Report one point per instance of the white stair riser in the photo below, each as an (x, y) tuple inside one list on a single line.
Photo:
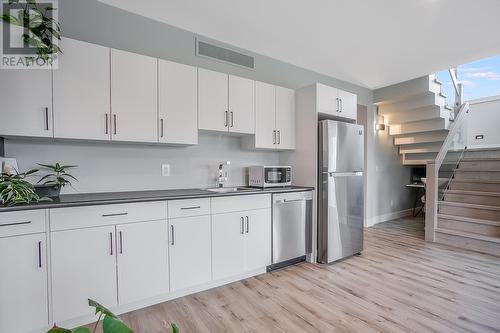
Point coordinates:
[(474, 186), (475, 213), (477, 228), (477, 175), (432, 147), (430, 112), (480, 165), (468, 243), (418, 126), (482, 154), (438, 136), (417, 102), (407, 89), (473, 199)]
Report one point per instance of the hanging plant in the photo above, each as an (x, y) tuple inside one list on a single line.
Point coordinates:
[(42, 27)]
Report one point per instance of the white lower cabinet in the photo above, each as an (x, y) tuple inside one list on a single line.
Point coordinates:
[(258, 239), (23, 283), (189, 250), (83, 267), (142, 254)]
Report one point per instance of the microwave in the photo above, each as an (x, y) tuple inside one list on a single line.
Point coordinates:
[(269, 176)]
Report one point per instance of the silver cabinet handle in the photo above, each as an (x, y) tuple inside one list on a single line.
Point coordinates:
[(162, 128), (232, 118), (225, 118), (337, 104), (274, 137), (172, 234), (341, 105), (14, 223), (115, 124), (242, 227), (115, 214), (279, 137), (121, 242), (106, 124), (247, 224), (193, 207), (40, 254), (46, 110), (111, 243)]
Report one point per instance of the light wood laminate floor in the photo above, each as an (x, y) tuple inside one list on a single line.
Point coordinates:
[(399, 284)]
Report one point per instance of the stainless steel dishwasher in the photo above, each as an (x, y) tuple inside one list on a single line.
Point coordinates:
[(291, 228)]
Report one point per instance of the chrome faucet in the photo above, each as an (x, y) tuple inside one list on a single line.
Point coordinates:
[(222, 175)]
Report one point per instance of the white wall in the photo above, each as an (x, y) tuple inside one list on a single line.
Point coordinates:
[(484, 119), (104, 167)]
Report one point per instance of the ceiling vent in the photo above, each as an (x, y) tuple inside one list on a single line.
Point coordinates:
[(218, 53)]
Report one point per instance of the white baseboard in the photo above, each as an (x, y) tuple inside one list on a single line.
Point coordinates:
[(370, 222)]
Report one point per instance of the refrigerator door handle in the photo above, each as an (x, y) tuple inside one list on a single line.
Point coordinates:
[(345, 174)]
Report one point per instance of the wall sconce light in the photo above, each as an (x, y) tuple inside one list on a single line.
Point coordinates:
[(380, 127)]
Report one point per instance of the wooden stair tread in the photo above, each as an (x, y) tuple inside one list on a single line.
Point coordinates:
[(478, 169), (469, 205), (469, 219), (478, 193), (469, 235), (480, 159), (483, 181)]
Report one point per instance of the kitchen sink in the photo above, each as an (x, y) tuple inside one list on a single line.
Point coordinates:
[(229, 189)]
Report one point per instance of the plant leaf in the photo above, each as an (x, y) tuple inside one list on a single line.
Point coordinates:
[(56, 329), (175, 329), (100, 308), (9, 19), (114, 325)]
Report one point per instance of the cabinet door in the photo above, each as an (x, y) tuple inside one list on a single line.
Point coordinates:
[(285, 118), (258, 239), (189, 250), (178, 108), (26, 97), (142, 254), (327, 99), (81, 92), (241, 105), (23, 284), (212, 100), (348, 105), (134, 109), (228, 245), (265, 115), (83, 267)]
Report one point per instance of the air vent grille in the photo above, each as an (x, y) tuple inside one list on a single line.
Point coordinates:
[(222, 54)]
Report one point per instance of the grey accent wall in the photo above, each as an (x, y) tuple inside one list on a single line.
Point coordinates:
[(114, 167)]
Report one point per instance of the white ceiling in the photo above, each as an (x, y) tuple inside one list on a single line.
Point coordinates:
[(373, 43)]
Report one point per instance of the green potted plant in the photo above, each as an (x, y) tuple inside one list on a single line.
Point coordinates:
[(110, 323), (55, 180), (15, 189)]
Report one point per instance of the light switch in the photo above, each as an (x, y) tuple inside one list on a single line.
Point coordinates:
[(165, 170)]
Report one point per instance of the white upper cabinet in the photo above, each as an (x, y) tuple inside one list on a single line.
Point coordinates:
[(142, 257), (23, 284), (213, 113), (275, 117), (134, 112), (241, 105), (178, 108), (285, 118), (265, 115), (26, 97), (81, 91), (225, 103), (335, 102)]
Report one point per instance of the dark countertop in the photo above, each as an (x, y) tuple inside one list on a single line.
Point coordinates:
[(107, 198)]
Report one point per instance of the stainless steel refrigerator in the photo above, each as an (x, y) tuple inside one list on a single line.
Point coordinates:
[(340, 190)]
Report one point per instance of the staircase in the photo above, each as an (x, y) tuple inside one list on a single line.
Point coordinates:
[(417, 116), (469, 213)]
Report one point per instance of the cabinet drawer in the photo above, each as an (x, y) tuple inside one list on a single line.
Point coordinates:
[(188, 207), (22, 222), (91, 216), (240, 203)]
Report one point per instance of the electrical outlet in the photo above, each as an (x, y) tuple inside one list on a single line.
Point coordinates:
[(165, 170)]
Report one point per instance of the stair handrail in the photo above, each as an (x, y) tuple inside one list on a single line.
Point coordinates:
[(432, 173)]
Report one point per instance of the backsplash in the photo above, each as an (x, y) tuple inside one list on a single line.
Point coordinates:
[(104, 167)]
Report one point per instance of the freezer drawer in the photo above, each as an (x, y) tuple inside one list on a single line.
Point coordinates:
[(292, 222), (340, 219)]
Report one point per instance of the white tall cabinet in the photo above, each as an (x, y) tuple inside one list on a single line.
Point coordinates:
[(26, 97), (134, 112), (81, 91), (178, 107), (225, 103), (336, 102)]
